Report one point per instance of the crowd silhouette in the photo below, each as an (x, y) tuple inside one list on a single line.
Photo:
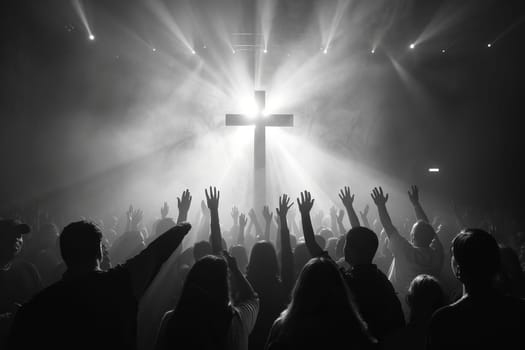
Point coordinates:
[(270, 281)]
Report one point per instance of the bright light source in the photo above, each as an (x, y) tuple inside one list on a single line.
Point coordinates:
[(265, 51), (248, 106), (153, 49), (233, 51), (193, 52), (489, 45), (91, 37), (325, 51), (412, 46), (443, 51), (373, 51), (433, 170)]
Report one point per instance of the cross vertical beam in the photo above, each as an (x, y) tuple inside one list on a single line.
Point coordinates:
[(260, 121)]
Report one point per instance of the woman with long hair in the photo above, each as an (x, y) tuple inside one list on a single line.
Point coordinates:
[(272, 286), (210, 314), (321, 314)]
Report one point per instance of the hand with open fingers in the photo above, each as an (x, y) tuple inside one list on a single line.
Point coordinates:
[(164, 210), (267, 215), (305, 203), (346, 197), (378, 196), (212, 198), (284, 205), (243, 220), (184, 202), (414, 195)]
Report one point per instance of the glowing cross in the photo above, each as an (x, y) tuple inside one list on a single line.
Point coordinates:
[(261, 121)]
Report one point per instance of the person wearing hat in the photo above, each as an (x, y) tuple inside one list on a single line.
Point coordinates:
[(19, 280)]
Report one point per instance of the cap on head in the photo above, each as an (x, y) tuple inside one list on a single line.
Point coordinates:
[(15, 227)]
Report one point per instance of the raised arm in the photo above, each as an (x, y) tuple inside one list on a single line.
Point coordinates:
[(242, 225), (287, 273), (242, 290), (364, 216), (340, 217), (305, 204), (380, 200), (204, 225), (212, 200), (414, 199), (333, 220), (183, 203), (255, 222), (143, 267), (267, 215), (348, 201)]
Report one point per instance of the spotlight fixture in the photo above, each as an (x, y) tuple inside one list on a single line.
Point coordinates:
[(433, 170), (373, 51), (153, 49), (412, 46), (265, 51), (325, 51), (489, 45), (443, 51), (193, 52), (91, 37)]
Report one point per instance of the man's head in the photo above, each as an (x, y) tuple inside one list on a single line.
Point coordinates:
[(361, 246), (11, 240), (422, 234), (81, 245), (475, 258)]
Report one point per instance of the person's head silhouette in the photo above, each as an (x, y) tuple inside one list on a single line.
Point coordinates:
[(263, 262), (81, 245), (422, 234), (361, 246), (424, 297), (11, 240), (475, 259), (201, 249)]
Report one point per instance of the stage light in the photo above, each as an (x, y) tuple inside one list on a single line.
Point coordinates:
[(153, 49), (373, 51), (91, 37), (433, 170), (443, 51), (265, 51), (412, 46), (233, 51), (193, 52), (489, 45), (325, 51)]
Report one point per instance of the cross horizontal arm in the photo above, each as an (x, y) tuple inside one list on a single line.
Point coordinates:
[(271, 120)]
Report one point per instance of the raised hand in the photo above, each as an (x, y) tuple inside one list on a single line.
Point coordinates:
[(364, 213), (235, 215), (164, 210), (305, 203), (243, 220), (340, 215), (379, 197), (184, 202), (284, 205), (414, 195), (267, 215), (212, 199), (136, 218), (346, 197)]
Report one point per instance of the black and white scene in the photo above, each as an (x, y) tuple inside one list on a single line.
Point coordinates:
[(262, 174)]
